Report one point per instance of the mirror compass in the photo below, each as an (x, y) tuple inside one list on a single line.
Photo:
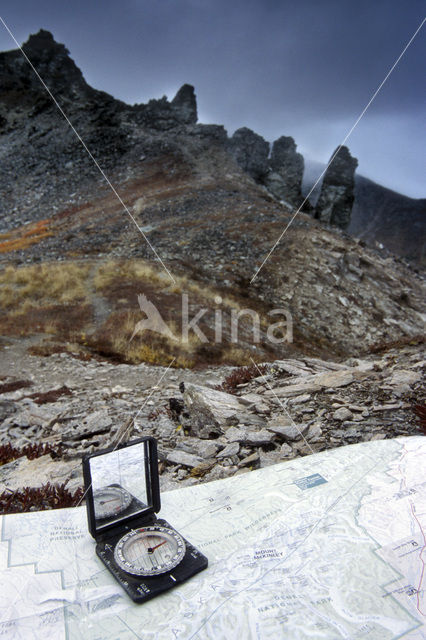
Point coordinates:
[(145, 554)]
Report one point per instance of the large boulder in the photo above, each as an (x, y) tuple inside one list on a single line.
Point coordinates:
[(336, 199), (250, 152), (208, 413), (285, 178), (186, 104)]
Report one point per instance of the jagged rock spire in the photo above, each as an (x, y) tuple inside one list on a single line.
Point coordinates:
[(335, 202), (186, 102), (250, 151), (285, 179)]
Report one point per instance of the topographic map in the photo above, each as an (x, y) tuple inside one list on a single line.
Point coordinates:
[(328, 546)]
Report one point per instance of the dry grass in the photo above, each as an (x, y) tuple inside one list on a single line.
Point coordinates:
[(128, 270), (113, 340), (59, 299), (64, 321), (142, 272), (42, 284)]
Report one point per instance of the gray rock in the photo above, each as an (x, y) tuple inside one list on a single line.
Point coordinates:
[(234, 435), (219, 472), (334, 378), (403, 376), (96, 421), (207, 449), (34, 415), (250, 152), (285, 179), (290, 432), (269, 457), (262, 408), (279, 421), (165, 427), (314, 433), (300, 399), (257, 438), (210, 410), (34, 473), (186, 104), (251, 438), (336, 199), (285, 450), (7, 409), (251, 460), (249, 399), (231, 449), (342, 414), (182, 457), (293, 390), (251, 419)]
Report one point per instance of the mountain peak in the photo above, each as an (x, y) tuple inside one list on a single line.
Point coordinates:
[(41, 41)]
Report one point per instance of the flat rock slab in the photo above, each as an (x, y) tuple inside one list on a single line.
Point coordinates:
[(250, 399), (404, 376), (234, 435), (334, 378), (23, 472), (293, 390), (289, 432), (252, 438), (257, 438), (184, 458), (329, 379), (33, 415), (252, 459), (231, 449), (279, 421)]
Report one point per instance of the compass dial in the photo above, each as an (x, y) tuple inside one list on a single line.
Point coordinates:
[(149, 551), (110, 501)]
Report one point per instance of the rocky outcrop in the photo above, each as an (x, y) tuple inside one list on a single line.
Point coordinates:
[(336, 199), (284, 180), (251, 152), (186, 104), (52, 62)]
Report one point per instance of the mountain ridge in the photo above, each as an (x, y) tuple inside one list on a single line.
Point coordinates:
[(210, 221)]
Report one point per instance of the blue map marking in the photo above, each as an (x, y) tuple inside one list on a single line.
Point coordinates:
[(310, 481)]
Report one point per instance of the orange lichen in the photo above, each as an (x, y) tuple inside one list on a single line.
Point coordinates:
[(24, 236)]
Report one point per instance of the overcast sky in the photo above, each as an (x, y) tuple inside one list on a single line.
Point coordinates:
[(303, 68)]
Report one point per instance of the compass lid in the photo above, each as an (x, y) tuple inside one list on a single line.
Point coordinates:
[(121, 484)]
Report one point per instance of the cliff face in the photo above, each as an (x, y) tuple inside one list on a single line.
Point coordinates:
[(207, 217)]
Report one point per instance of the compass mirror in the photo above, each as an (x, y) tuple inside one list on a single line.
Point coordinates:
[(121, 484)]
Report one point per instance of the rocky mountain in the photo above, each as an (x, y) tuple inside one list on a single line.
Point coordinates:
[(125, 226)]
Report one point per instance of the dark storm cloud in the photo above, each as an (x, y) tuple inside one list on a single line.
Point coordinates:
[(305, 68)]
